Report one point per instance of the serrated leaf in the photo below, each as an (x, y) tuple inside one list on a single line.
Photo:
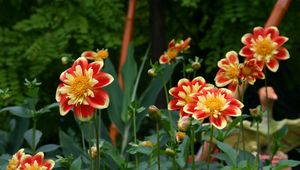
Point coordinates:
[(48, 148), (28, 136)]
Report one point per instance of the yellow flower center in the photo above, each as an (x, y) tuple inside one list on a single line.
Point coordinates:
[(214, 103), (34, 166), (246, 71), (264, 46), (80, 86), (102, 54), (172, 54), (232, 71)]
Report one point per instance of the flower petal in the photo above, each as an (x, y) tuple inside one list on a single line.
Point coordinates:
[(258, 31), (39, 157), (246, 39), (282, 54), (100, 99), (91, 55), (273, 65), (246, 52), (49, 164), (272, 31), (232, 57), (84, 112), (189, 108), (182, 82), (219, 122), (82, 62), (172, 105), (163, 59), (280, 40), (96, 66), (232, 111), (64, 107), (222, 81), (57, 94), (104, 79), (233, 86), (199, 115)]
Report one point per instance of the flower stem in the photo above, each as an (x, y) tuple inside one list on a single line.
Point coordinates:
[(33, 134), (210, 147), (192, 147), (82, 136), (135, 138), (241, 98), (90, 138), (268, 111), (257, 142), (158, 145), (167, 100), (96, 126)]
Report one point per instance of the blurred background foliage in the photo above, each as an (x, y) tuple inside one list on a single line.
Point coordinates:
[(36, 34)]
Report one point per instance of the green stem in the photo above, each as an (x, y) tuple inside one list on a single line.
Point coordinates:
[(210, 147), (135, 138), (33, 134), (268, 111), (174, 163), (158, 145), (241, 98), (96, 126), (90, 139), (167, 100), (192, 147), (257, 142), (82, 136)]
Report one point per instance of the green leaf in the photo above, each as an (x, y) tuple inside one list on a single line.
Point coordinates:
[(129, 72), (47, 108), (115, 97), (48, 148), (286, 163), (229, 151), (18, 111), (76, 164), (70, 147), (16, 137), (234, 123), (28, 137), (183, 152), (109, 150)]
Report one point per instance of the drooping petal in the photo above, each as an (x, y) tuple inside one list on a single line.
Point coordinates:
[(91, 55), (282, 54), (233, 86), (219, 122), (223, 64), (100, 100), (174, 91), (273, 65), (163, 59), (57, 94), (84, 112), (222, 81), (104, 79)]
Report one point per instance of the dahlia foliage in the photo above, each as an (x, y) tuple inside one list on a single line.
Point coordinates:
[(82, 88), (22, 161)]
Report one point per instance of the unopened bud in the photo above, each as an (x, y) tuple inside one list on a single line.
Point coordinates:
[(170, 152), (180, 136), (255, 112), (93, 152), (152, 72), (64, 60), (154, 113), (184, 123), (147, 143), (196, 66)]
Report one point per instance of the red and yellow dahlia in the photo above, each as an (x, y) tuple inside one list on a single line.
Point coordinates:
[(81, 89), (229, 71), (184, 93), (173, 50), (36, 162), (216, 104), (97, 56), (15, 161), (249, 72), (265, 46)]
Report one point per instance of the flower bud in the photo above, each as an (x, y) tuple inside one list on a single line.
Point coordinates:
[(64, 60), (196, 65), (93, 152), (147, 143), (180, 136), (170, 152), (154, 113), (184, 123), (152, 72)]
